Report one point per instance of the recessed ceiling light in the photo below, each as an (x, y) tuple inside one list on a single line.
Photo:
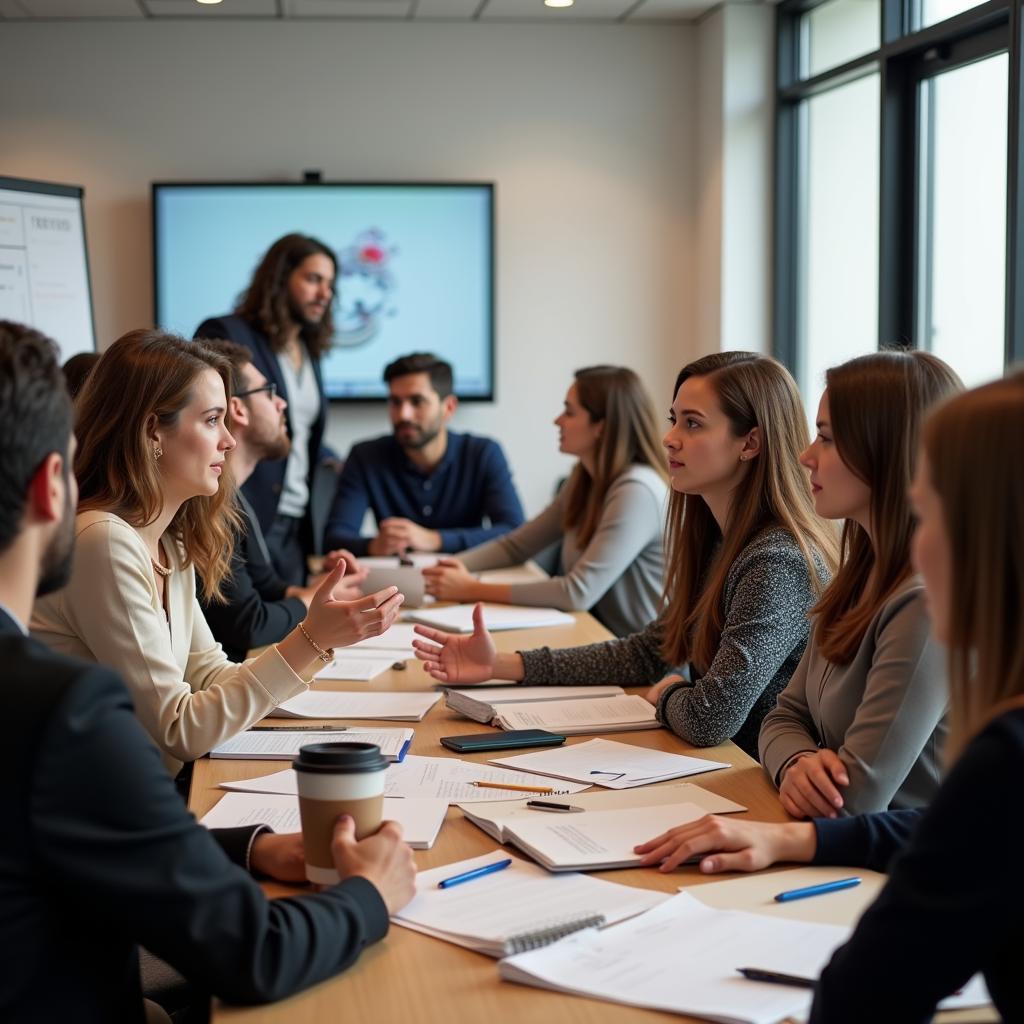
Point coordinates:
[(208, 1), (558, 3)]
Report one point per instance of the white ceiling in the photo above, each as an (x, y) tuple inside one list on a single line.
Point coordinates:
[(374, 10)]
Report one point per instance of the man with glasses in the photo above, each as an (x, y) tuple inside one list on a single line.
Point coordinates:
[(259, 607)]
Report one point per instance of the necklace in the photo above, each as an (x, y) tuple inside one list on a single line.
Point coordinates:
[(162, 570)]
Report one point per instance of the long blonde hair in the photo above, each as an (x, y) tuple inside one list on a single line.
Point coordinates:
[(614, 396), (876, 405), (972, 444), (144, 378), (753, 391)]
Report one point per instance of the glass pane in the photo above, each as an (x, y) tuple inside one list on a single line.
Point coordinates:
[(836, 32), (962, 280), (939, 10), (839, 231)]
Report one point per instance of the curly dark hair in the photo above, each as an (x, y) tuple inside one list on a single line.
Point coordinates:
[(265, 302)]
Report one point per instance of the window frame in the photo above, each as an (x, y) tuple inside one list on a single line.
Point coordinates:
[(904, 59)]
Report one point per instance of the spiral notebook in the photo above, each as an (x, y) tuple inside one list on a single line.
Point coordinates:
[(520, 908)]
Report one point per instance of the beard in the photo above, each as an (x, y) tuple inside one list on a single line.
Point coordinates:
[(55, 570), (275, 447), (298, 314), (419, 437)]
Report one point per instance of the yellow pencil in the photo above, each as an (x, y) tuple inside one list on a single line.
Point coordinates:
[(518, 789)]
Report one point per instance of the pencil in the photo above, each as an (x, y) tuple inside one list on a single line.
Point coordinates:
[(508, 785)]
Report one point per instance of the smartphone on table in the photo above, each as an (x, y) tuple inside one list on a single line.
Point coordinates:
[(496, 740)]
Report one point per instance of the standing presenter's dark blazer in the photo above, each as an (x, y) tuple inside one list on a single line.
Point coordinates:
[(100, 855), (263, 488)]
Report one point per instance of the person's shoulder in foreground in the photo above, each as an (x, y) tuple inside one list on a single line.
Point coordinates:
[(105, 858), (953, 905)]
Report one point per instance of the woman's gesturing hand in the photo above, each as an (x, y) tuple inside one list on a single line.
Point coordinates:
[(334, 623)]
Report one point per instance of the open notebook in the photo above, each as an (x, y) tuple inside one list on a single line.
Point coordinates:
[(519, 908), (573, 717), (482, 702), (496, 816)]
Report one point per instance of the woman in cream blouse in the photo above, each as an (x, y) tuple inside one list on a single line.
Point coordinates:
[(155, 503)]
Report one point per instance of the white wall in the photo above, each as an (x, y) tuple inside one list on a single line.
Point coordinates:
[(588, 131)]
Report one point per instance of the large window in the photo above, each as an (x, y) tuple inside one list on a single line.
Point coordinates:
[(896, 184)]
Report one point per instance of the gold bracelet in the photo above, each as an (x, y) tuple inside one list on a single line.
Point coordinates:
[(325, 656)]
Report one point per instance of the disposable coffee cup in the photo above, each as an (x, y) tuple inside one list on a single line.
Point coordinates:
[(336, 779)]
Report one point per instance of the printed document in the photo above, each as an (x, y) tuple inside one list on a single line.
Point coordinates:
[(395, 707)]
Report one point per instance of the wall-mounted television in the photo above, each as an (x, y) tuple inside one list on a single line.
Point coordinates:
[(415, 268), (44, 265)]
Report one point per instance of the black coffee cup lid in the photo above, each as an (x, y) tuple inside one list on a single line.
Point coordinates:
[(346, 758)]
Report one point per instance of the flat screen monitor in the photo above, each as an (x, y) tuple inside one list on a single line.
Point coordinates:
[(415, 268), (44, 266)]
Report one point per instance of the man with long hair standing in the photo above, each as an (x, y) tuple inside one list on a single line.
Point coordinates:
[(285, 320)]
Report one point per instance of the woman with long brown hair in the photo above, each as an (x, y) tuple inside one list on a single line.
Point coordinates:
[(156, 504), (860, 727), (953, 905), (747, 558), (608, 517)]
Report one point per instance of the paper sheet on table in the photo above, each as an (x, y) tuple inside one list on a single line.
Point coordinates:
[(610, 764), (398, 638), (756, 892), (281, 744), (480, 703), (445, 778), (520, 900), (397, 707), (459, 618), (421, 820), (682, 956), (358, 668), (571, 717), (596, 840)]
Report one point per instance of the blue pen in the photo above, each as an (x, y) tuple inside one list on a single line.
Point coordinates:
[(468, 876), (817, 890)]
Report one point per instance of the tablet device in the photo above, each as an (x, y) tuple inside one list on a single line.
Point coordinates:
[(408, 579), (502, 740)]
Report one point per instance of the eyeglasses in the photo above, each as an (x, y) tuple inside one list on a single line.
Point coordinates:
[(271, 390)]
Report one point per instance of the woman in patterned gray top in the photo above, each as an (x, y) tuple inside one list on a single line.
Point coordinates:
[(747, 558)]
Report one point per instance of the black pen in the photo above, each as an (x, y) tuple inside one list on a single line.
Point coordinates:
[(775, 977), (298, 728), (547, 805)]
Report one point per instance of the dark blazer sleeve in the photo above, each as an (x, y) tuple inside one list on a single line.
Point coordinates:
[(499, 503), (246, 619), (866, 840), (351, 500), (953, 901), (114, 839)]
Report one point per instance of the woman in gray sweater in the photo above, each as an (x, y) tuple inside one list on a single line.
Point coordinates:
[(609, 516), (747, 559), (860, 727)]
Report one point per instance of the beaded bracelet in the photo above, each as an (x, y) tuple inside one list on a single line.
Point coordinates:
[(325, 656)]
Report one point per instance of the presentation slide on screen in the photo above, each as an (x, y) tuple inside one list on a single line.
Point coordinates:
[(414, 269), (44, 280)]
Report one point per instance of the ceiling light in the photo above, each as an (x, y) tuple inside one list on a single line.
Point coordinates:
[(211, 2), (558, 3)]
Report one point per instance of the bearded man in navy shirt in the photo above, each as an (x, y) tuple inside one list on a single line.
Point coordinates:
[(429, 488)]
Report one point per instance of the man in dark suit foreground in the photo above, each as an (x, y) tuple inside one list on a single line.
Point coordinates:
[(100, 853)]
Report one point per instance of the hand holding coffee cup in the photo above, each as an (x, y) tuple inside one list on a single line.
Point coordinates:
[(383, 859), (333, 623), (336, 779)]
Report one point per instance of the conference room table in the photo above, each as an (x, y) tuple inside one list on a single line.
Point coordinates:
[(411, 977)]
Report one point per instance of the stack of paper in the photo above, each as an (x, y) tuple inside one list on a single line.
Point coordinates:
[(421, 820), (393, 707), (283, 744), (610, 764), (480, 703), (459, 618), (571, 717), (445, 778), (521, 902), (595, 840), (682, 957), (495, 818)]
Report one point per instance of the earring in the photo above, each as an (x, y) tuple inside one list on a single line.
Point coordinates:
[(157, 452)]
